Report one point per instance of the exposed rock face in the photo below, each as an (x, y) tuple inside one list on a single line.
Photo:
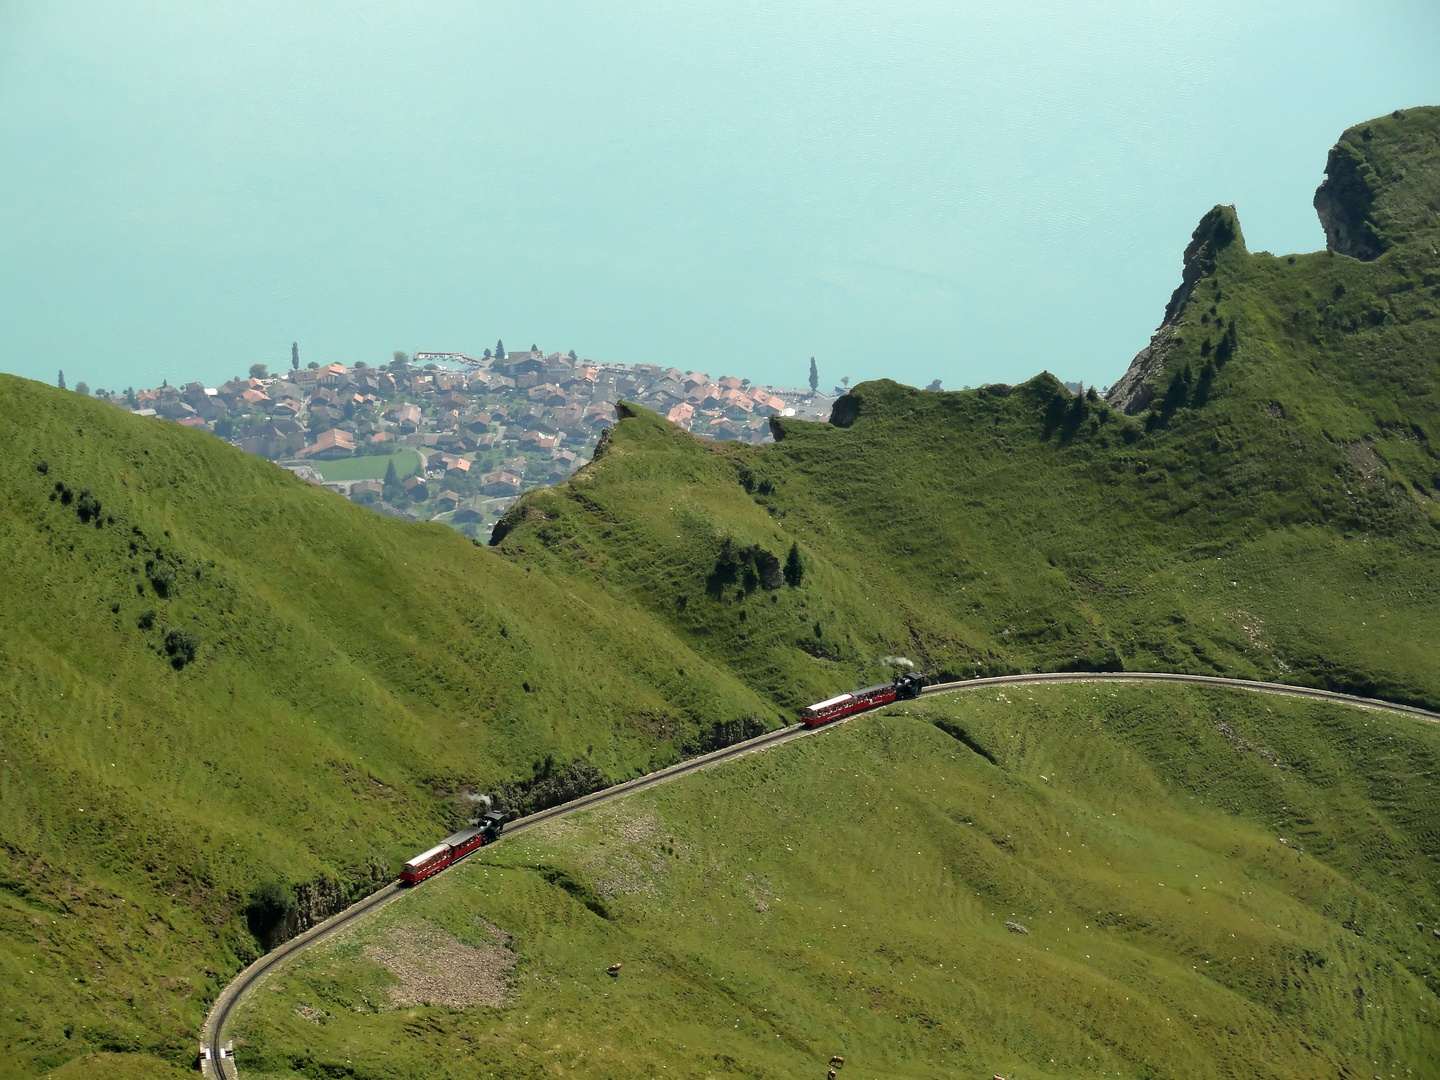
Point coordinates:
[(1217, 230), (1134, 392), (316, 901), (1344, 202), (846, 410), (519, 512), (1379, 189), (1378, 194)]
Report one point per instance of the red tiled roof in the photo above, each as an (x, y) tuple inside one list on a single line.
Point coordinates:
[(333, 439)]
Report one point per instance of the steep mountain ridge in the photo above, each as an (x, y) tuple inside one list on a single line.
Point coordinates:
[(1258, 498), (1379, 196), (1217, 230)]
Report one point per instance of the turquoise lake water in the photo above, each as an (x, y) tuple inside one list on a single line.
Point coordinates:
[(965, 191)]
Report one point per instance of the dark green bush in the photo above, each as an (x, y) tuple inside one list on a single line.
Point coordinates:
[(88, 507), (752, 567), (749, 576), (161, 575), (726, 570), (1227, 345), (180, 646), (1202, 386)]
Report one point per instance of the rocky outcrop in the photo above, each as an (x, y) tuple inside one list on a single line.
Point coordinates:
[(519, 512), (846, 409), (1345, 201), (1379, 189), (1217, 231), (1134, 390), (315, 901)]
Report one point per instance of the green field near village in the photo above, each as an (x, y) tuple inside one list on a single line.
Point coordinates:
[(371, 467), (1092, 880)]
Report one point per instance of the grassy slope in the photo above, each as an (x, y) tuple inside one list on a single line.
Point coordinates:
[(848, 894), (352, 674), (355, 672), (1282, 523)]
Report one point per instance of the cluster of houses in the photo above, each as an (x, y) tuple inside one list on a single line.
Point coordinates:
[(467, 437)]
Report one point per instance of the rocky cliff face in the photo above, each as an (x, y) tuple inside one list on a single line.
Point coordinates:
[(1378, 195), (1217, 231), (1344, 202), (1379, 189), (316, 901)]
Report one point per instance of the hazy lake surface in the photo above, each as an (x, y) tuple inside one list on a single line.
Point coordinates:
[(956, 190)]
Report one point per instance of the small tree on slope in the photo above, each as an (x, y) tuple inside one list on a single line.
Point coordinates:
[(794, 568)]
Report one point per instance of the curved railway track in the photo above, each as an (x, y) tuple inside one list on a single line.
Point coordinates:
[(213, 1033)]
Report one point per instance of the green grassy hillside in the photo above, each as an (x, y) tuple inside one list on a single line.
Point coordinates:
[(215, 678), (1259, 499), (352, 679), (1210, 884)]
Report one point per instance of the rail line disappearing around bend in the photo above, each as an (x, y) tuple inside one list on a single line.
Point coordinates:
[(220, 1066)]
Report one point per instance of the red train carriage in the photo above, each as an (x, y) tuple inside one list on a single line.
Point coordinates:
[(872, 697), (453, 848), (425, 864), (464, 842), (831, 709)]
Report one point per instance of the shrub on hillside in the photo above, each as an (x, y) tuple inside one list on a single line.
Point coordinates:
[(726, 570), (88, 507), (180, 646), (749, 576), (1226, 349), (161, 575), (751, 566)]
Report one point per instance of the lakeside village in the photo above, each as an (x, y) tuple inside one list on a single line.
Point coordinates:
[(449, 438)]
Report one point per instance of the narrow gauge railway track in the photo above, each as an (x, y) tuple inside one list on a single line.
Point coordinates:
[(1250, 685), (213, 1033)]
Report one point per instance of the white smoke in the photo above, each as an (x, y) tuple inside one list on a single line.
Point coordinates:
[(898, 661), (483, 802)]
